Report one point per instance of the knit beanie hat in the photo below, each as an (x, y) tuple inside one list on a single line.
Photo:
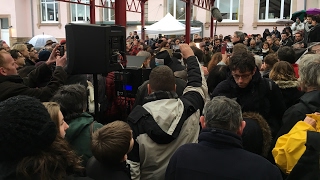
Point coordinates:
[(25, 128)]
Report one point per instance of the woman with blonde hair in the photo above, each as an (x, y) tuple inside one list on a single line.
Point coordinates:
[(57, 117), (283, 75), (146, 62), (23, 49)]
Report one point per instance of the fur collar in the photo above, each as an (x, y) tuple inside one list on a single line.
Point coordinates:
[(265, 129), (287, 84)]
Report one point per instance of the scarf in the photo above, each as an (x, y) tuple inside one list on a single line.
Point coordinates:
[(158, 95), (314, 27), (307, 27)]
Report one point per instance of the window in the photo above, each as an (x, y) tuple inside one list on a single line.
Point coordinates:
[(177, 9), (49, 11), (4, 23), (80, 13), (271, 10), (108, 14), (229, 9)]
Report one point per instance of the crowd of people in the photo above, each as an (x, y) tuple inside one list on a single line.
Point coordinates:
[(244, 106)]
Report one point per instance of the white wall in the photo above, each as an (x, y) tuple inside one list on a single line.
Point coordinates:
[(19, 12), (7, 7)]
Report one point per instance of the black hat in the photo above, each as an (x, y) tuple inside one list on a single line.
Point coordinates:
[(25, 128), (44, 55)]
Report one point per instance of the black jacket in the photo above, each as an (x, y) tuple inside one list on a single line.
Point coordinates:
[(314, 35), (29, 62), (219, 155), (277, 33), (274, 48), (307, 166), (14, 85), (290, 92), (261, 95), (238, 42), (287, 42), (309, 103), (98, 171)]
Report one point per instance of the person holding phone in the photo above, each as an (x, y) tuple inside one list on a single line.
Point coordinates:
[(11, 84)]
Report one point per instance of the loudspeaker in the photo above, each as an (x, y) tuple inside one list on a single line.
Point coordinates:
[(90, 48)]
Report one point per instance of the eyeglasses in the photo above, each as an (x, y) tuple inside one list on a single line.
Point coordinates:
[(316, 51), (244, 76)]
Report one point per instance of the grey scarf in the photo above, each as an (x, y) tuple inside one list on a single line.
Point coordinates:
[(307, 27)]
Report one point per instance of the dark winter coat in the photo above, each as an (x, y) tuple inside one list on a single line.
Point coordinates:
[(256, 135), (307, 166), (29, 62), (14, 85), (99, 171), (286, 42), (274, 48), (261, 95), (276, 33), (314, 35), (219, 155), (290, 92), (308, 103)]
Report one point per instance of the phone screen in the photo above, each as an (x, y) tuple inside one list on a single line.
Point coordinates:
[(223, 47), (61, 50)]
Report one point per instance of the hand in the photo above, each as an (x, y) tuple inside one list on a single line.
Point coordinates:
[(205, 71), (186, 51), (225, 58), (311, 121), (62, 61), (53, 56)]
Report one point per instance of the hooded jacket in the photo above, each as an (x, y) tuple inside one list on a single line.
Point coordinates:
[(290, 92), (297, 153), (261, 95), (256, 136), (308, 103), (162, 125), (219, 155), (79, 135)]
